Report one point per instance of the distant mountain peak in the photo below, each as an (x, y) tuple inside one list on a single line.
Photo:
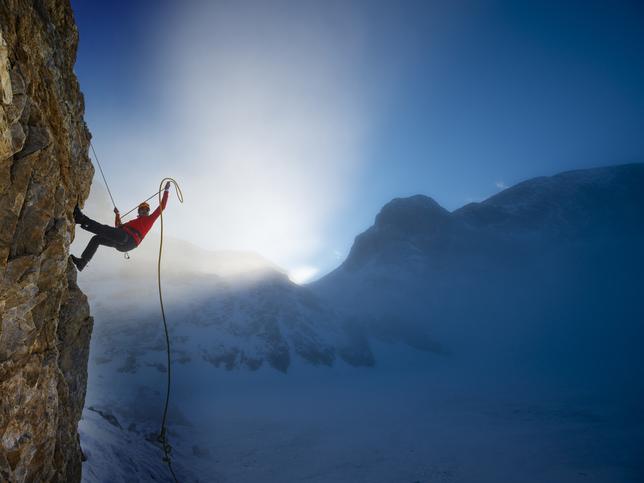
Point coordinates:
[(568, 205), (417, 217), (415, 213)]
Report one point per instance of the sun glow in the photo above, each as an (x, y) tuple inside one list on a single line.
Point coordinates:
[(268, 123), (302, 274)]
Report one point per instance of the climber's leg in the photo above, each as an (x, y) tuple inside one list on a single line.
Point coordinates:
[(104, 235), (117, 235), (109, 232), (93, 244), (90, 250)]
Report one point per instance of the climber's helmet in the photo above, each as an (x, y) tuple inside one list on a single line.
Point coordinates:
[(144, 209)]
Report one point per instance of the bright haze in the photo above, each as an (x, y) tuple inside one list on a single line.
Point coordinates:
[(289, 124)]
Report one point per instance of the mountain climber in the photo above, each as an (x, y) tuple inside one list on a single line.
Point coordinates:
[(123, 236)]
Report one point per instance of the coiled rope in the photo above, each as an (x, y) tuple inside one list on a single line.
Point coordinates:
[(163, 433)]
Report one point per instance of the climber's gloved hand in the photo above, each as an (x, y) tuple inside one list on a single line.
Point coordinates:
[(167, 186), (116, 210)]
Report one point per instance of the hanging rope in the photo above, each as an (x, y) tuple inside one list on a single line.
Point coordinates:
[(102, 174), (147, 199), (109, 192), (163, 434)]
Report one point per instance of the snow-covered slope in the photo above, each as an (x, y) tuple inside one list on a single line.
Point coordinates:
[(231, 322), (508, 329)]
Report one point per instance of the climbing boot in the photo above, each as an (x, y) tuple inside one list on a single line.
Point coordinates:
[(78, 262), (79, 217)]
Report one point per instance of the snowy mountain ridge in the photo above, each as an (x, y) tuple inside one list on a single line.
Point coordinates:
[(397, 283), (520, 315), (561, 205)]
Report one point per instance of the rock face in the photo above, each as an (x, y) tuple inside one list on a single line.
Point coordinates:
[(44, 172)]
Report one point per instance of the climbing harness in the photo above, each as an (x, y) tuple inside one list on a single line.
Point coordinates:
[(163, 432)]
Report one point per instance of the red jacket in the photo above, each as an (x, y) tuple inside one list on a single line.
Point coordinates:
[(140, 226)]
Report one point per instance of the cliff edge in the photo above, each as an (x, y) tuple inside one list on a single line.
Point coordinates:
[(44, 172)]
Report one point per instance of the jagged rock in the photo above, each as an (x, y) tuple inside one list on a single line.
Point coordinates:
[(18, 137), (16, 108), (5, 77), (37, 139), (44, 172), (17, 83)]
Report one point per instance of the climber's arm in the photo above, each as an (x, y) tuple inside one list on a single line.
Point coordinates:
[(117, 217), (164, 201)]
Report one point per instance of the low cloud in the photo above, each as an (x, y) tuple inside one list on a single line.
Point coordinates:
[(262, 119)]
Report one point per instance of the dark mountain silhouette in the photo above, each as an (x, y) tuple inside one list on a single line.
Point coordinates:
[(546, 275)]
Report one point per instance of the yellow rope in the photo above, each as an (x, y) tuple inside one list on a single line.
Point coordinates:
[(163, 434)]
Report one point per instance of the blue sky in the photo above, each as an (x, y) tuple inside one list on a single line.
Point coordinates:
[(290, 123)]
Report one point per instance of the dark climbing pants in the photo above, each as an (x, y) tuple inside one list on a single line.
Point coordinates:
[(107, 236)]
